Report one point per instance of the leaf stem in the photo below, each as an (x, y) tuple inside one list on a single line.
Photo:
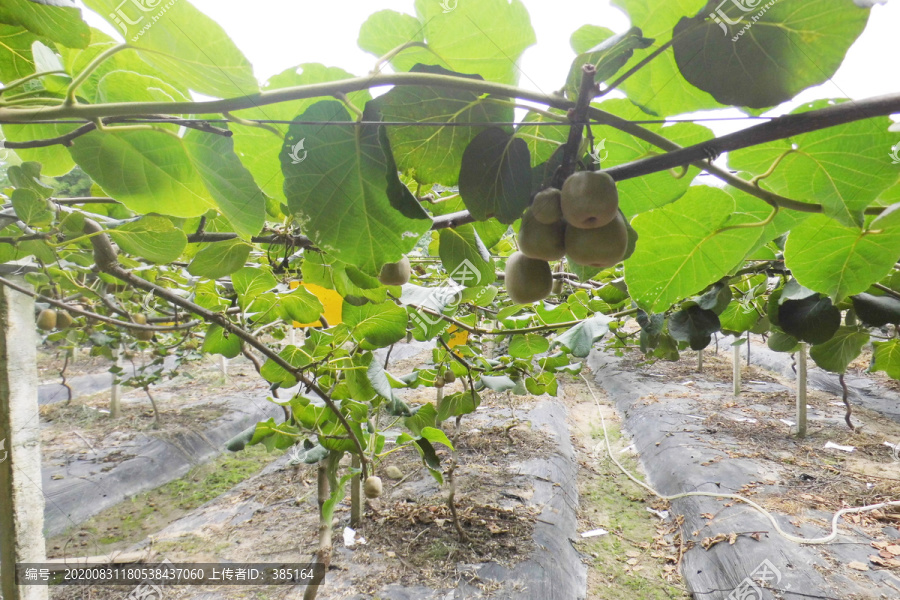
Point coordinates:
[(71, 101)]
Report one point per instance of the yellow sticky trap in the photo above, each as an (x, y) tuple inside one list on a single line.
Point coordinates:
[(330, 299), (458, 337)]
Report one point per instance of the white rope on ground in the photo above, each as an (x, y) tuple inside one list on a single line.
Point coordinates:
[(751, 503)]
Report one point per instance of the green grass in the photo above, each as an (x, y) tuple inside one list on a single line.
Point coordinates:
[(132, 520), (619, 505)]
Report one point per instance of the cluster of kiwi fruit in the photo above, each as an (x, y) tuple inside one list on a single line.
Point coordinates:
[(145, 335), (49, 319), (582, 221)]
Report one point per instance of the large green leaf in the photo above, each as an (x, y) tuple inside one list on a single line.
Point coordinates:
[(458, 404), (16, 58), (251, 282), (494, 180), (31, 208), (425, 416), (345, 191), (771, 53), (152, 238), (183, 43), (659, 86), (526, 346), (461, 247), (641, 194), (379, 324), (220, 259), (75, 61), (274, 373), (607, 58), (886, 357), (813, 319), (52, 20), (579, 340), (877, 311), (237, 196), (258, 147), (435, 153), (694, 325), (840, 261), (55, 160), (683, 248), (485, 37), (147, 171), (588, 36), (302, 306), (836, 354), (387, 30), (738, 318), (844, 168), (544, 137), (218, 341), (128, 86)]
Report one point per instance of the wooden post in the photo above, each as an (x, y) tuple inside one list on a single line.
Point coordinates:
[(21, 496), (737, 369), (115, 393), (801, 391)]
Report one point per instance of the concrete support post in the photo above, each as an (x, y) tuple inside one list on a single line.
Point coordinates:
[(115, 392), (21, 496), (801, 390)]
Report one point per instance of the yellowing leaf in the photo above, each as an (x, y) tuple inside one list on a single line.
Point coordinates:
[(330, 299)]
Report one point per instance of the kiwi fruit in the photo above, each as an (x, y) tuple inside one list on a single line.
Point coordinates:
[(449, 376), (541, 241), (601, 247), (395, 273), (527, 279), (47, 319), (64, 320), (589, 199), (439, 381), (373, 487), (546, 206), (143, 335)]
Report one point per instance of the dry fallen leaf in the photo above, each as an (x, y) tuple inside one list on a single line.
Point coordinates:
[(858, 566)]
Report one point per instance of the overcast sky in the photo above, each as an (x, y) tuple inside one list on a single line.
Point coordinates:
[(279, 34)]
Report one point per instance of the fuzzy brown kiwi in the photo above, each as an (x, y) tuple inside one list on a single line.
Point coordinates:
[(601, 247), (373, 487), (546, 206), (395, 273), (527, 279), (143, 335), (540, 241), (46, 319), (589, 200), (64, 320)]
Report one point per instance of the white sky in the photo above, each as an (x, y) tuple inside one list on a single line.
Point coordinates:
[(278, 34)]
